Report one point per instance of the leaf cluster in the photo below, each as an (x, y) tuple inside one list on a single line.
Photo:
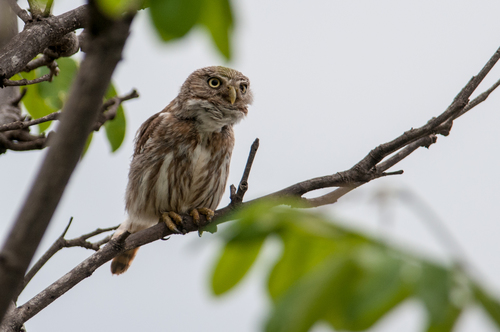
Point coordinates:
[(48, 97), (173, 19), (331, 274)]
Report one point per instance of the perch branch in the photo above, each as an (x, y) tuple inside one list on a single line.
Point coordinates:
[(370, 167)]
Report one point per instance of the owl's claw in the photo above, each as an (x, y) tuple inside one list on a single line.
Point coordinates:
[(195, 213), (171, 219)]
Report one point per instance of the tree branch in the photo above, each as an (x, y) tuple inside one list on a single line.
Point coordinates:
[(61, 243), (23, 14), (371, 167), (78, 116), (237, 196), (36, 37)]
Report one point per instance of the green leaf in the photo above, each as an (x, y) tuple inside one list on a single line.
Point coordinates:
[(377, 289), (115, 129), (87, 144), (310, 299), (301, 253), (56, 92), (116, 8), (35, 104), (435, 291), (174, 18), (491, 305), (217, 17), (236, 259)]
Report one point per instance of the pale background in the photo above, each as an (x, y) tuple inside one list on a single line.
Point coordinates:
[(331, 79)]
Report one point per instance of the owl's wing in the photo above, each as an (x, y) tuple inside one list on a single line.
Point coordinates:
[(145, 131)]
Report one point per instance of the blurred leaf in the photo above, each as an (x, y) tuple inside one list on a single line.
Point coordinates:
[(35, 104), (116, 8), (377, 289), (330, 274), (217, 17), (56, 92), (433, 290), (302, 252), (174, 18), (115, 129), (310, 298), (491, 305), (235, 261), (87, 144)]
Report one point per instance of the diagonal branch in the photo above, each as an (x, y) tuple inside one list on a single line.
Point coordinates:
[(61, 243), (369, 168), (78, 116)]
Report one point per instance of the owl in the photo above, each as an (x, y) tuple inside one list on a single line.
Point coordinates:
[(181, 157)]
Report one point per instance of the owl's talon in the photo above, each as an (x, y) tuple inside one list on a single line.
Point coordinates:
[(195, 213), (166, 218), (209, 214), (196, 217)]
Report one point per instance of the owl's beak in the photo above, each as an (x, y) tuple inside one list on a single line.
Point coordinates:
[(232, 94)]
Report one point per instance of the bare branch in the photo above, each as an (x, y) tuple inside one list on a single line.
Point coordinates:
[(36, 37), (237, 196), (44, 78), (61, 243), (110, 107), (36, 143), (23, 14), (26, 124)]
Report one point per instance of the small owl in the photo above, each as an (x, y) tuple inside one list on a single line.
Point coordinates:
[(182, 154)]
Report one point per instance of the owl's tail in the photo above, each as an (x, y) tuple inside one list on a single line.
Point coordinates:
[(122, 262)]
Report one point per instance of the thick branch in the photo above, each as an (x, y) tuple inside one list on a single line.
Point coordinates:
[(36, 37), (78, 116)]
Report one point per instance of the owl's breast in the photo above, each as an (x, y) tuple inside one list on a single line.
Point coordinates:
[(192, 178)]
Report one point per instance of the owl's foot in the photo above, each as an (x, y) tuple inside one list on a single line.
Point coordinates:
[(209, 214), (172, 220)]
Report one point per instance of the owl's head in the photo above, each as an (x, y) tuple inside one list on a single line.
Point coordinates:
[(215, 97)]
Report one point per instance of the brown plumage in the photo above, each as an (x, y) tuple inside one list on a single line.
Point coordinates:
[(181, 157)]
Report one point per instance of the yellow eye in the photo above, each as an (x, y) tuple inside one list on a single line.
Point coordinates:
[(243, 88), (214, 82)]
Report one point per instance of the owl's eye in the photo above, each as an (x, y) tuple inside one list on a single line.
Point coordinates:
[(214, 82), (243, 88)]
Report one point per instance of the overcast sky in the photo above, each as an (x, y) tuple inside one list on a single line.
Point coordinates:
[(331, 80)]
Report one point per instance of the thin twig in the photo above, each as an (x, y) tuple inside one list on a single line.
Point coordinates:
[(36, 144), (115, 102), (61, 243), (110, 107), (25, 124), (44, 60), (23, 14), (44, 78), (237, 196)]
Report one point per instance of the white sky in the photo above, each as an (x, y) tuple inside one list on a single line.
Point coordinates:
[(331, 80)]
